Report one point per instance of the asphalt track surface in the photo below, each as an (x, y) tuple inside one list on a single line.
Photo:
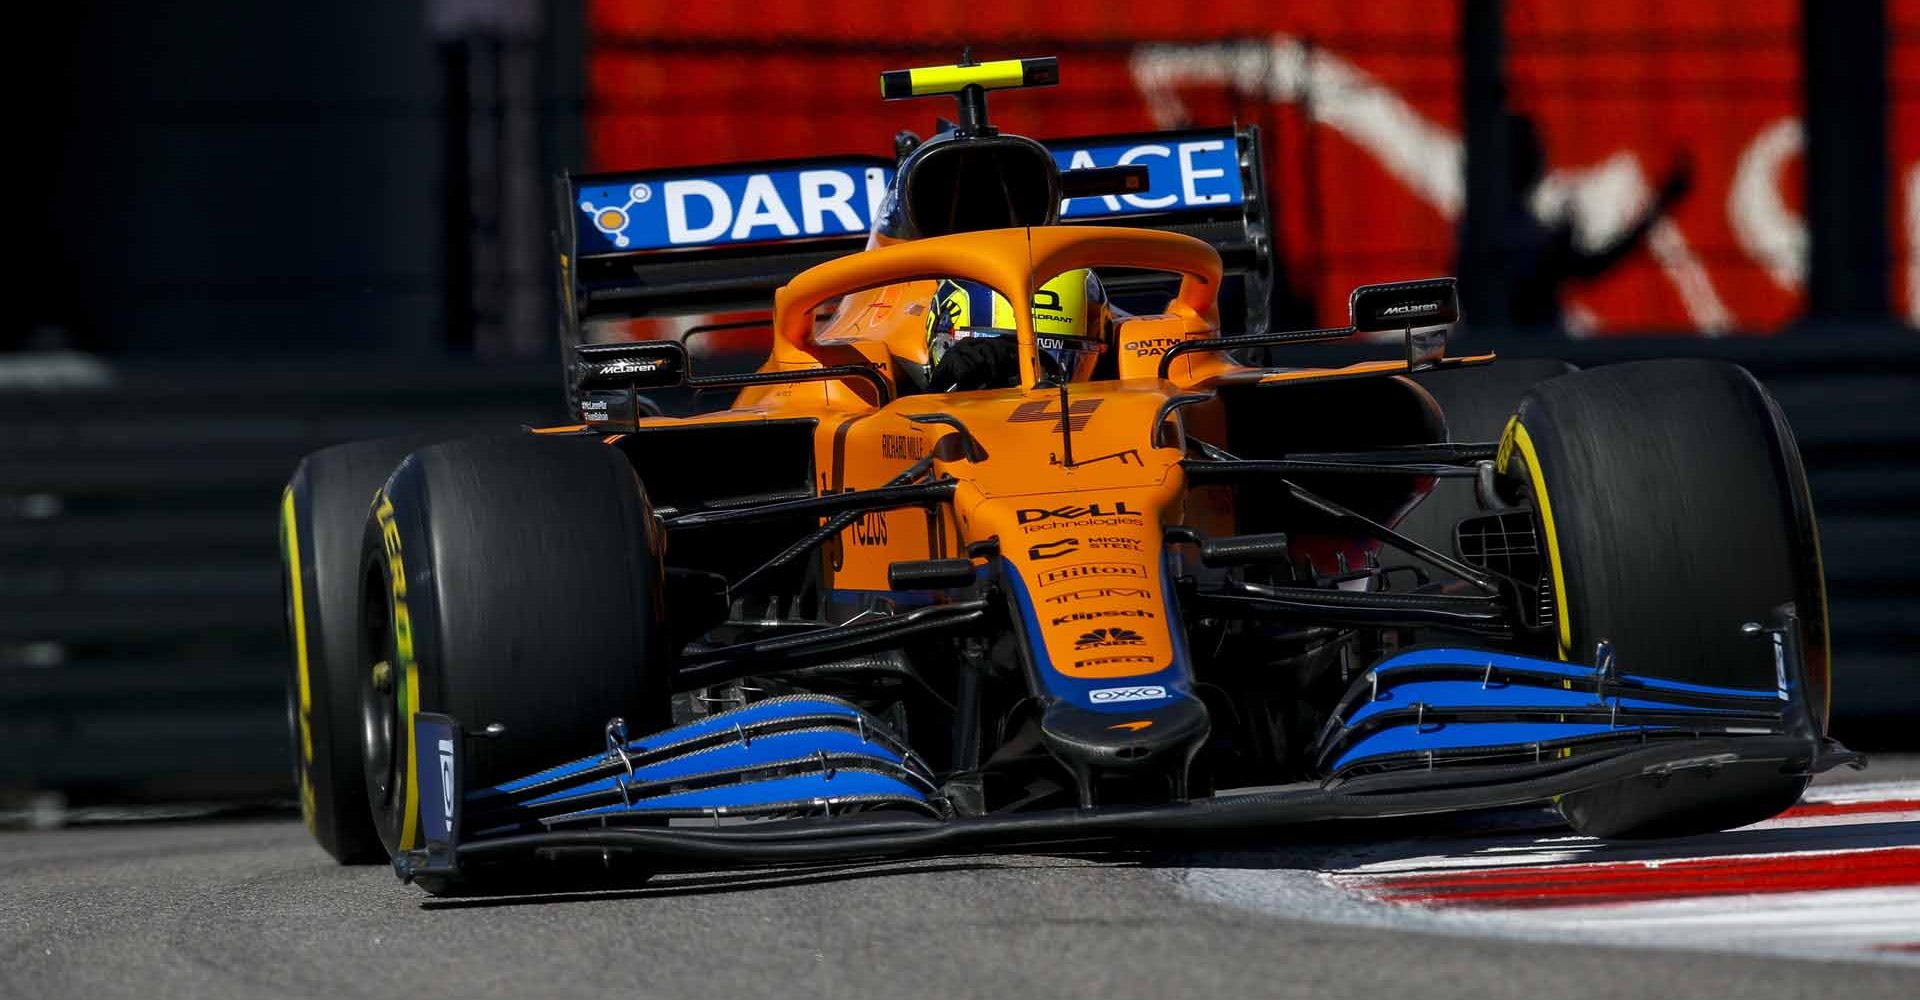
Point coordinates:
[(252, 909)]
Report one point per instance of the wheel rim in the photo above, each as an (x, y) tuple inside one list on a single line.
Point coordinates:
[(379, 703)]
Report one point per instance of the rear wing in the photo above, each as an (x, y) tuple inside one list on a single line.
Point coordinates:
[(722, 238)]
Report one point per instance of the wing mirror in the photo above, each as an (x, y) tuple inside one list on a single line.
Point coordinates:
[(1424, 309), (645, 364)]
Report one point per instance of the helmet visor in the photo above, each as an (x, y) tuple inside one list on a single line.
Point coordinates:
[(942, 338), (1067, 358)]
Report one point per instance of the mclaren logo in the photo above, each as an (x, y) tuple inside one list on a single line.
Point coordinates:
[(1410, 309), (631, 366)]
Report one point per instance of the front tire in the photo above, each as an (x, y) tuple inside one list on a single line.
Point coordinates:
[(512, 580), (1476, 401), (323, 512), (1674, 509)]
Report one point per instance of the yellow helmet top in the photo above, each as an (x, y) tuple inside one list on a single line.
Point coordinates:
[(1070, 317)]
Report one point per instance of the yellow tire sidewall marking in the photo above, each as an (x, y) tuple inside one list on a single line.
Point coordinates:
[(1515, 437), (409, 667), (296, 589)]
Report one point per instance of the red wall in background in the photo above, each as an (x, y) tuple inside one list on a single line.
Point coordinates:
[(1361, 107)]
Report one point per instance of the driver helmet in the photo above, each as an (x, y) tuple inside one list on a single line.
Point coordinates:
[(1070, 321)]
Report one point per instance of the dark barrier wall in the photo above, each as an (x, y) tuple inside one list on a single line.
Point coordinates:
[(223, 175)]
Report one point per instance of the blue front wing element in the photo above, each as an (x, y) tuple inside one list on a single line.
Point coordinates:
[(822, 791), (1448, 707), (794, 754)]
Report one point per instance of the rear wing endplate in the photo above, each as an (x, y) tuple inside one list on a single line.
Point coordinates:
[(713, 239)]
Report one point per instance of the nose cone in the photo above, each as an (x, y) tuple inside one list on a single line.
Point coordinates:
[(1162, 735)]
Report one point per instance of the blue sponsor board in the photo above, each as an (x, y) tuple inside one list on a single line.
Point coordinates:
[(834, 197), (718, 207), (1184, 172)]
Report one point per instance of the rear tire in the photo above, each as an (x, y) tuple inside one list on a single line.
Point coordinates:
[(1674, 508), (323, 513), (511, 580)]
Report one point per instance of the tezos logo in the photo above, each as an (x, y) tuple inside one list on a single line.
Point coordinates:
[(870, 529)]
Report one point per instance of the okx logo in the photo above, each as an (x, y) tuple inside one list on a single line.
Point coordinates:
[(1101, 638)]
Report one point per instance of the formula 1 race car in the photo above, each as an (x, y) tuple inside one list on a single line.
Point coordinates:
[(1003, 545)]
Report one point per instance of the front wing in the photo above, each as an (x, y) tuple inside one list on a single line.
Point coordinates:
[(809, 778)]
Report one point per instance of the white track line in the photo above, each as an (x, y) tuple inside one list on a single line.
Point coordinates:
[(1339, 884)]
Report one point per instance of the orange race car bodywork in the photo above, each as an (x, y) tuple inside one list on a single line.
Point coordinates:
[(1076, 514), (1050, 608)]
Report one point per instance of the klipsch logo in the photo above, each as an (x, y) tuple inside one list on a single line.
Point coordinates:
[(1089, 571), (1088, 616)]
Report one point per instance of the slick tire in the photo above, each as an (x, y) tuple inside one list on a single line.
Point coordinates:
[(323, 513), (1674, 509), (511, 580), (1477, 402)]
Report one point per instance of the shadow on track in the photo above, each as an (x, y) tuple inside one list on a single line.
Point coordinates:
[(582, 887)]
